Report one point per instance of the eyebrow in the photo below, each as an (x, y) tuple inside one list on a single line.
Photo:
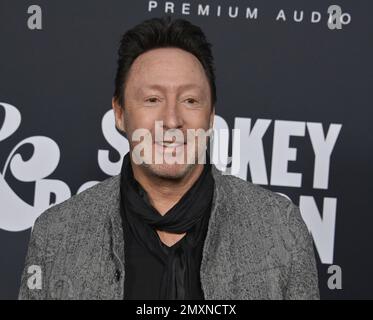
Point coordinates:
[(162, 88)]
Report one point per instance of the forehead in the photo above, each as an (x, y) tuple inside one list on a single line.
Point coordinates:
[(164, 68)]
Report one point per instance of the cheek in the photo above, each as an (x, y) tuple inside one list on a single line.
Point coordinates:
[(140, 120), (197, 120)]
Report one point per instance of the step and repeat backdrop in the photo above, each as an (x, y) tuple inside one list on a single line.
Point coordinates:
[(294, 76)]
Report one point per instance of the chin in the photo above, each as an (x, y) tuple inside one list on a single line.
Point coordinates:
[(169, 171)]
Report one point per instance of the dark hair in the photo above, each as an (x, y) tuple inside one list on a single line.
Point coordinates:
[(160, 33)]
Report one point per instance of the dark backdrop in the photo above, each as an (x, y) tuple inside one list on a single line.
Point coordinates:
[(59, 80)]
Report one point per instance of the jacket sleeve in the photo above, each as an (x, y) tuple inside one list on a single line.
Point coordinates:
[(303, 277), (33, 280)]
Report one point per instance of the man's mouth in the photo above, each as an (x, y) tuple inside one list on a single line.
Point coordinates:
[(169, 144)]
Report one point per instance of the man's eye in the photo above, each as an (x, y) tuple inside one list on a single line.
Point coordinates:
[(152, 100), (191, 100)]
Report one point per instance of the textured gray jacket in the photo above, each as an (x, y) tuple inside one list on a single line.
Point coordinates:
[(257, 246)]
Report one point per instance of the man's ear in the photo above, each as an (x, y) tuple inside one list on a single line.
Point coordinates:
[(119, 115)]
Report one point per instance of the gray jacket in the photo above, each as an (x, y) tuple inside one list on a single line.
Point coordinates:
[(257, 247)]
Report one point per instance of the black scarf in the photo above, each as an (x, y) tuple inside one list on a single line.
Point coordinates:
[(190, 214)]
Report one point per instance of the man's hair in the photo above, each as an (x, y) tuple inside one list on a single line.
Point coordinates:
[(162, 33)]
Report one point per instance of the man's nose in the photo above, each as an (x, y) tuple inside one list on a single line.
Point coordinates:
[(172, 118)]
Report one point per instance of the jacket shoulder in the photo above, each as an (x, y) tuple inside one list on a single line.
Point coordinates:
[(247, 193), (266, 212), (85, 205)]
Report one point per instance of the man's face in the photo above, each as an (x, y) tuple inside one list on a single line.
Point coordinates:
[(168, 85)]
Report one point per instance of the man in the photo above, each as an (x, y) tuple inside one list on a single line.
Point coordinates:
[(170, 229)]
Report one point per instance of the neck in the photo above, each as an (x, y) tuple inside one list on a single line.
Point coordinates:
[(165, 193)]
